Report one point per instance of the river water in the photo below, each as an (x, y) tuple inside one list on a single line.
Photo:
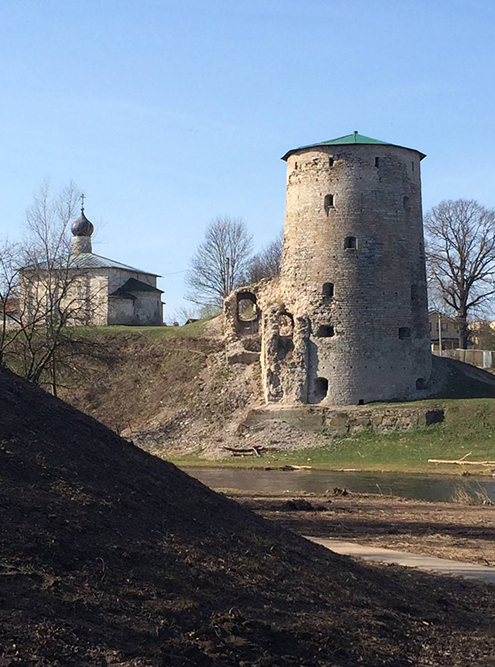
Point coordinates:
[(434, 488)]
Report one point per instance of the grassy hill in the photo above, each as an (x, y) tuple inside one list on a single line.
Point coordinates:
[(468, 431), (171, 390)]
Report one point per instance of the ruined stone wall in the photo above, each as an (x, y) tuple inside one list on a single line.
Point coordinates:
[(338, 421), (347, 321)]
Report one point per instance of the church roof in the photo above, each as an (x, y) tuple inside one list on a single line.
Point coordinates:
[(89, 260), (133, 285), (354, 138)]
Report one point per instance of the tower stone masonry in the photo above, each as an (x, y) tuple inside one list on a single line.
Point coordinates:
[(346, 322)]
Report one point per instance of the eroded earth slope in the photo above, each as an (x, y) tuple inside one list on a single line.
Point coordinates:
[(109, 556)]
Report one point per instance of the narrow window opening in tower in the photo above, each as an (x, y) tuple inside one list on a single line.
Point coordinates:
[(404, 333), (420, 383), (320, 389), (414, 293), (325, 331), (295, 165), (405, 202), (412, 166), (377, 162), (327, 291), (350, 243), (328, 203), (330, 161)]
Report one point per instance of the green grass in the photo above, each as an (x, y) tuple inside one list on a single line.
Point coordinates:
[(192, 330), (469, 427)]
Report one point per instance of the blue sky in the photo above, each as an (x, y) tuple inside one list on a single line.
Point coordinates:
[(170, 112)]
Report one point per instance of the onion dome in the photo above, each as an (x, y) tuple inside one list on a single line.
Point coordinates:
[(82, 226)]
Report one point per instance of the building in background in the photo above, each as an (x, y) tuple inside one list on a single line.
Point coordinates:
[(482, 334), (444, 329), (100, 291)]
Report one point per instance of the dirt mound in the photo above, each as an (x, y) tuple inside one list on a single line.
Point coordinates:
[(109, 556), (455, 379)]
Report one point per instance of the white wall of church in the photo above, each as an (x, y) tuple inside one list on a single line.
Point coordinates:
[(120, 311), (148, 308)]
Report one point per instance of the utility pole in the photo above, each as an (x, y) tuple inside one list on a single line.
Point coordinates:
[(439, 333), (227, 276)]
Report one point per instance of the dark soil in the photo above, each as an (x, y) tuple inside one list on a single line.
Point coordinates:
[(447, 530), (109, 556)]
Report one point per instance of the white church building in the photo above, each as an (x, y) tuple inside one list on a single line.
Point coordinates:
[(125, 295)]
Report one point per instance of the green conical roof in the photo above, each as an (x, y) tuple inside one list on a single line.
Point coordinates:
[(354, 138)]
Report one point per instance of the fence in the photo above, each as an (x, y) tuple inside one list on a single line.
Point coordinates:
[(479, 358)]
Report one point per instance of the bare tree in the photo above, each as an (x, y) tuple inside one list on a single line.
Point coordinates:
[(266, 264), (461, 257), (54, 295), (10, 302), (220, 261), (182, 314)]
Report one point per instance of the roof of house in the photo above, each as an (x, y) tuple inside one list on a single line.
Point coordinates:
[(133, 285), (354, 138)]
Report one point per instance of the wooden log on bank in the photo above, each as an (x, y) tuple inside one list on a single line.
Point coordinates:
[(240, 451), (462, 462)]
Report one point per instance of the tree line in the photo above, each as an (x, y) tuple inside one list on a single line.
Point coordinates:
[(38, 336)]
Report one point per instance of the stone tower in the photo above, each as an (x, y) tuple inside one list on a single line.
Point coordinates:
[(349, 324)]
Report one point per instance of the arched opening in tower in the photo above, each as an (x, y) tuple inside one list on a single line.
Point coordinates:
[(320, 389), (285, 331), (247, 313), (285, 324)]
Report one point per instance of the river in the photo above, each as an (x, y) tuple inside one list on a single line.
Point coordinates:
[(433, 488)]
